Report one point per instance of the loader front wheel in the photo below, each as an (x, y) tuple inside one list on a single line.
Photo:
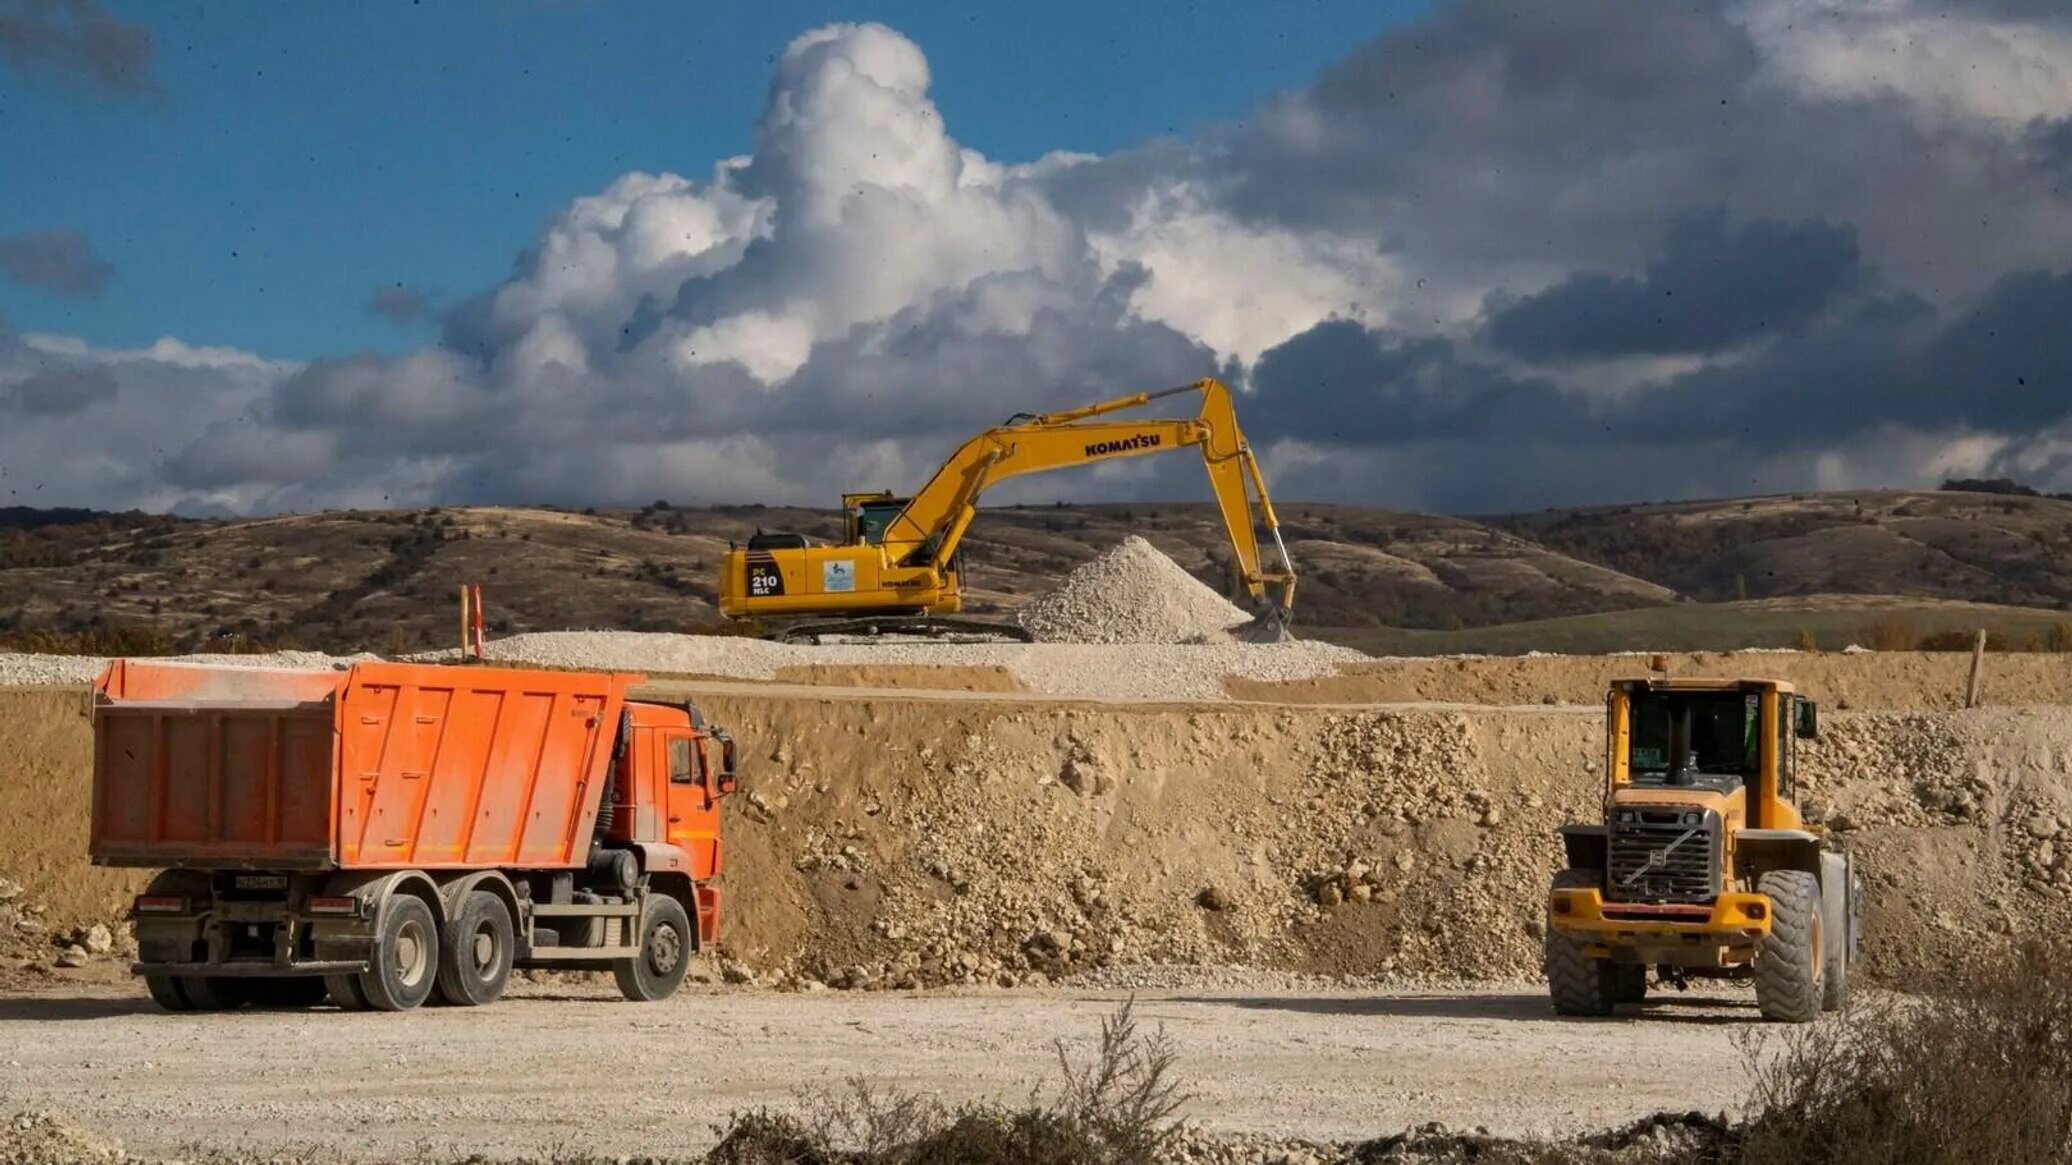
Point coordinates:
[(1577, 983), (1790, 963), (1630, 982), (665, 952), (475, 956), (406, 955)]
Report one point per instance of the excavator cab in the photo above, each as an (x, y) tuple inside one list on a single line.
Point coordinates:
[(866, 517)]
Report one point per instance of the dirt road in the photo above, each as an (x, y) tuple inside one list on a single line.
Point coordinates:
[(575, 1069)]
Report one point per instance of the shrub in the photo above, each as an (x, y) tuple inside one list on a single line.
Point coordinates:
[(1117, 1109), (1980, 1073)]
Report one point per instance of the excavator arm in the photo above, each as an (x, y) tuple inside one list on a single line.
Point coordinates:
[(927, 531)]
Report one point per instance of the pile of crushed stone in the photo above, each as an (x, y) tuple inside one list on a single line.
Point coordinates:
[(1131, 594)]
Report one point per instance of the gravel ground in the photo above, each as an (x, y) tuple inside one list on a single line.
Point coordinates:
[(1126, 672), (573, 1068), (1115, 672)]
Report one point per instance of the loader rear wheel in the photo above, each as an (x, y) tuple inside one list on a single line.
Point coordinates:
[(406, 955), (167, 993), (1836, 895), (1577, 983), (1790, 963), (665, 952), (476, 951)]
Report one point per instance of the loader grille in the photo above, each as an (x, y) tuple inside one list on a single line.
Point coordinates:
[(1663, 855)]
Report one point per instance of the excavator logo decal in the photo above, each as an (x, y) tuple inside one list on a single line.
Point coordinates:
[(1124, 445)]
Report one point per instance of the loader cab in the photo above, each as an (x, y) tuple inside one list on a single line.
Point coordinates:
[(1729, 745)]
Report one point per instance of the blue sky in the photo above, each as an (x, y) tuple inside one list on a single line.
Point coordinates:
[(1459, 257), (297, 156)]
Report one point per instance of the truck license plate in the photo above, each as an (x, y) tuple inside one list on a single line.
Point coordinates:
[(262, 882)]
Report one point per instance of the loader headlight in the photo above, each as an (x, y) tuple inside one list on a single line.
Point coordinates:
[(1693, 818), (1626, 817)]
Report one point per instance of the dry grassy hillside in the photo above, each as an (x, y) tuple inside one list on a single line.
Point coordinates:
[(1381, 579), (1980, 547)]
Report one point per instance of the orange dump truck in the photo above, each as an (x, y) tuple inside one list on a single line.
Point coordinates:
[(379, 833)]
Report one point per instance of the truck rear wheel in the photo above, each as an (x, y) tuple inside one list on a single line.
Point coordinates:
[(167, 993), (1577, 983), (476, 951), (213, 992), (1789, 964), (286, 991), (665, 952), (405, 961), (345, 992)]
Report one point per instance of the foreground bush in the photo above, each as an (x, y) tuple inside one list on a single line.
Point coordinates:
[(1116, 1110), (1980, 1074)]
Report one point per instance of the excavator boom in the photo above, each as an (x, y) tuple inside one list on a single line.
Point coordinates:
[(911, 558)]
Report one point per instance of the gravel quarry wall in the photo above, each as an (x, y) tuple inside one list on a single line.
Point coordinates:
[(884, 841)]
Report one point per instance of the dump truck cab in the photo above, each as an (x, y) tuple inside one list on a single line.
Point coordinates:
[(1702, 864)]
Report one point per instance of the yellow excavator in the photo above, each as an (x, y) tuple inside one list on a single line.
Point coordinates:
[(897, 568)]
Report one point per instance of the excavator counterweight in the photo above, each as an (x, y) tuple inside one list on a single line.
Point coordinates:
[(898, 567)]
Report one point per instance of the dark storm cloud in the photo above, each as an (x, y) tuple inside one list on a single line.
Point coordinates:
[(61, 262), (59, 392), (1342, 383), (79, 41), (2004, 366), (400, 304), (1713, 286)]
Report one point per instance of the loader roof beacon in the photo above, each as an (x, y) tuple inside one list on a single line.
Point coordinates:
[(1703, 866), (376, 834), (898, 568)]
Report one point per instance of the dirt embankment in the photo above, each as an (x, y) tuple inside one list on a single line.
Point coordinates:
[(890, 841), (1899, 681)]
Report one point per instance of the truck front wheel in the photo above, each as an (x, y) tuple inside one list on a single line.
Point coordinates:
[(476, 952), (665, 952), (405, 961)]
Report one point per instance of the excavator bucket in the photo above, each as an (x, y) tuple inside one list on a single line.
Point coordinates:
[(1269, 626)]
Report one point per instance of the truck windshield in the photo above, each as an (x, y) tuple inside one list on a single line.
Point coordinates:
[(1691, 738)]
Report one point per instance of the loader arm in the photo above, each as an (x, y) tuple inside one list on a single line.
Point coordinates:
[(926, 533)]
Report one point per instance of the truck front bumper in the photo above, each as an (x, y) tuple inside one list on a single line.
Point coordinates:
[(1734, 919)]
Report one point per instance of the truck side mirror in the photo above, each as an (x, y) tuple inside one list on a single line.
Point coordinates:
[(727, 781), (1807, 716)]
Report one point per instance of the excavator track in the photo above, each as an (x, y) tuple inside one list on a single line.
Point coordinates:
[(947, 627)]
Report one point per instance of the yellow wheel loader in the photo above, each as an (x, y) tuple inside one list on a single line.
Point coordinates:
[(897, 568), (1702, 866)]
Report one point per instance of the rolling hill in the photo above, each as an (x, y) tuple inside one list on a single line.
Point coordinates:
[(1707, 572)]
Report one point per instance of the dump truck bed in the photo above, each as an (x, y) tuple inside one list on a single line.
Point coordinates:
[(379, 766)]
